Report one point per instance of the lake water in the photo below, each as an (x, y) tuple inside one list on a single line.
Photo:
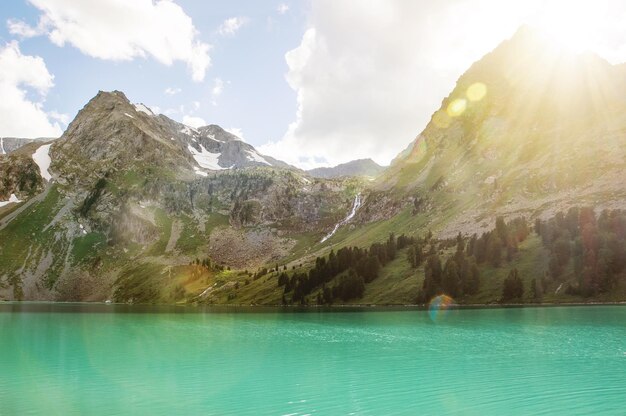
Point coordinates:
[(109, 359)]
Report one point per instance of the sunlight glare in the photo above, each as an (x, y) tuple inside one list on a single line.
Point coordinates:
[(457, 107), (476, 91), (574, 25)]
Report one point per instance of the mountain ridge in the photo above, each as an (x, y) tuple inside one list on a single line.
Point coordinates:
[(359, 167)]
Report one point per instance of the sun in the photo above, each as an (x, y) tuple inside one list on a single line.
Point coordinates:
[(578, 26)]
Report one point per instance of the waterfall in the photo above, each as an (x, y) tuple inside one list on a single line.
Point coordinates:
[(355, 206)]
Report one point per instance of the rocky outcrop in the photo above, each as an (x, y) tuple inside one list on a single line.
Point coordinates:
[(19, 175)]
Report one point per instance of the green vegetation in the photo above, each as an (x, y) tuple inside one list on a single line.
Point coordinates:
[(86, 246), (164, 225)]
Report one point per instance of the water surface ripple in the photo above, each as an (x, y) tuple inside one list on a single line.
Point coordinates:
[(558, 360)]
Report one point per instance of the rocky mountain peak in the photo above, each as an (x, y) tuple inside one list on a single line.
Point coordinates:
[(217, 133), (111, 133)]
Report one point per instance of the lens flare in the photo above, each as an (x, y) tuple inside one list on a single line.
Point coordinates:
[(457, 107), (438, 307), (476, 91)]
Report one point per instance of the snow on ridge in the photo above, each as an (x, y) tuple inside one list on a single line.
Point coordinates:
[(212, 137), (42, 159), (143, 109), (12, 199), (188, 130), (253, 156), (205, 159)]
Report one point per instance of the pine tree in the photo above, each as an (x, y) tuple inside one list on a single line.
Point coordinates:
[(513, 286)]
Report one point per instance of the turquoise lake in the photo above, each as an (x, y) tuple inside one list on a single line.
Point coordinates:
[(112, 359)]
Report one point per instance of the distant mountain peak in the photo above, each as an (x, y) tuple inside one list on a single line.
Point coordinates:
[(359, 167)]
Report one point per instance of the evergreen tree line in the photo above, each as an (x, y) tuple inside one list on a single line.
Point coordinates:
[(595, 246), (208, 264), (359, 265), (499, 244), (460, 274), (457, 277)]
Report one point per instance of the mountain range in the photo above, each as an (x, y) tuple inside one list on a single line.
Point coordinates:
[(132, 206), (359, 167)]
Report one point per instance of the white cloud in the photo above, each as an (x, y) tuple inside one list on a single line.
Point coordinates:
[(282, 8), (236, 131), (230, 26), (172, 91), (21, 116), (60, 117), (122, 30), (194, 121), (367, 88), (216, 91), (24, 30), (218, 87)]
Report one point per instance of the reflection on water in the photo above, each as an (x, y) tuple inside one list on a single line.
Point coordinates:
[(120, 359)]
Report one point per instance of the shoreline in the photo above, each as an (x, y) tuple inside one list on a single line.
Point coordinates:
[(103, 307)]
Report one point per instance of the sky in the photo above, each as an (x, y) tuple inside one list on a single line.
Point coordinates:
[(313, 83)]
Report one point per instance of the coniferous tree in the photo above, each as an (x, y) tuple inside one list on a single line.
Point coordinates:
[(494, 250), (451, 281), (513, 286)]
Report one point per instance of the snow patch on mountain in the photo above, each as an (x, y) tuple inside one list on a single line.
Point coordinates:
[(143, 109), (42, 159), (2, 152), (205, 159), (12, 199), (255, 157), (212, 137), (128, 115), (200, 172), (188, 130)]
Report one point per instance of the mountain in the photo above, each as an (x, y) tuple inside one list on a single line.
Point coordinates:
[(514, 192), (10, 144), (533, 142), (360, 167), (110, 133), (124, 191)]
